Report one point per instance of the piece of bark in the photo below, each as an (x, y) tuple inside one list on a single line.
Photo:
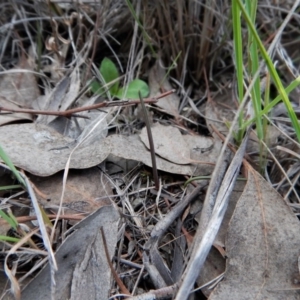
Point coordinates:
[(83, 270)]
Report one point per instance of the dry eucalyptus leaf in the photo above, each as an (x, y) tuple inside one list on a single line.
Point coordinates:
[(61, 98), (82, 189), (262, 247), (203, 148), (83, 269), (93, 117), (42, 151), (213, 267), (19, 85), (132, 148), (53, 101), (215, 263), (158, 83), (222, 109), (79, 128), (6, 118), (168, 143), (219, 110)]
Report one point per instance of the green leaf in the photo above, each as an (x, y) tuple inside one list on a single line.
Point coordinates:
[(9, 219), (110, 73), (132, 90), (96, 87)]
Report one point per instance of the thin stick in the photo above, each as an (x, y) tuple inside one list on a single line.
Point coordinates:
[(68, 113), (151, 144), (120, 283)]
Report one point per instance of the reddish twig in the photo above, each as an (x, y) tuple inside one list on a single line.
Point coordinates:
[(68, 113), (119, 282)]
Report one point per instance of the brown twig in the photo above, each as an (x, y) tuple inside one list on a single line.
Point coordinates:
[(70, 112), (151, 144), (121, 285)]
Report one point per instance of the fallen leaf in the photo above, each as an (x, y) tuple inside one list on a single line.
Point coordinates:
[(78, 128), (53, 100), (6, 118), (168, 143), (222, 109), (219, 110), (262, 246), (42, 151), (19, 85), (82, 189), (215, 263), (132, 148), (83, 269), (158, 82)]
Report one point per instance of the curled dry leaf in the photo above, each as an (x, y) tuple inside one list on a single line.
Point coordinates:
[(158, 82), (62, 96), (220, 110), (42, 151), (262, 246)]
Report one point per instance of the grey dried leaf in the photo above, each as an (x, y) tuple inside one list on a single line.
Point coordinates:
[(6, 118), (19, 85), (82, 189), (132, 148), (168, 143), (84, 272), (262, 246), (158, 82), (43, 151)]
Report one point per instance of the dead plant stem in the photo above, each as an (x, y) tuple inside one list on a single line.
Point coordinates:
[(151, 144)]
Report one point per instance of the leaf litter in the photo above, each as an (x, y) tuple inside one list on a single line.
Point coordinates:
[(158, 82), (156, 229), (80, 265), (42, 151), (81, 193), (262, 246)]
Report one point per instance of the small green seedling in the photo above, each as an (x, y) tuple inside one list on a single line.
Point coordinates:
[(110, 75)]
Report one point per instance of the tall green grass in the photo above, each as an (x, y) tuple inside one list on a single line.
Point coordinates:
[(255, 56)]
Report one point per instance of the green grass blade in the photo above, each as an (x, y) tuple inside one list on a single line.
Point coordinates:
[(10, 187), (145, 34), (238, 57), (9, 239), (9, 163), (273, 72), (9, 219), (274, 102), (253, 67)]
